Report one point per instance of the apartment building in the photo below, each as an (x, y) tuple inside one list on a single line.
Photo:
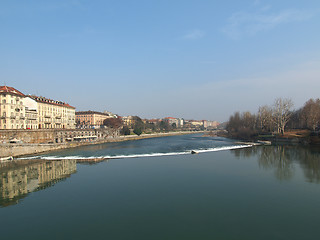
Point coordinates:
[(19, 111), (90, 119), (55, 114), (12, 110)]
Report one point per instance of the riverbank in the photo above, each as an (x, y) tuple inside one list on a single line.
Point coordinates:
[(301, 137), (25, 149)]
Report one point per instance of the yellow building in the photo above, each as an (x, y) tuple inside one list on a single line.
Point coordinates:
[(18, 111), (55, 114), (89, 119), (12, 109), (128, 121)]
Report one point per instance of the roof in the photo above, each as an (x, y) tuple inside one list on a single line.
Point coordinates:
[(91, 113), (10, 90), (50, 101), (170, 118)]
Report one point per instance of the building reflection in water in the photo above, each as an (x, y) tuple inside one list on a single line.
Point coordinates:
[(282, 159), (17, 179)]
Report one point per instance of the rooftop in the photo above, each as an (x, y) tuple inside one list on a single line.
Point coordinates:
[(10, 90), (50, 101), (90, 113)]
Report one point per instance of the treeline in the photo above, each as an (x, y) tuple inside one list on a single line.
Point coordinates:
[(137, 126), (275, 119)]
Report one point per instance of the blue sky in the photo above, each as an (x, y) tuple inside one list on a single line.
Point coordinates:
[(196, 59)]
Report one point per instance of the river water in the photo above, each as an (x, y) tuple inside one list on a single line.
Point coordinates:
[(155, 189)]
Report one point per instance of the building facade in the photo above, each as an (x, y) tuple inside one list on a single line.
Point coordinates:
[(55, 114), (90, 119), (31, 112), (18, 111), (128, 120), (172, 121), (12, 109)]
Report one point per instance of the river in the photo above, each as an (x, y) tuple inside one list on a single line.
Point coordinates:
[(155, 189)]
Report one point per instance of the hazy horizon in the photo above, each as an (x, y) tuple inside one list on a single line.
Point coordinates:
[(189, 59)]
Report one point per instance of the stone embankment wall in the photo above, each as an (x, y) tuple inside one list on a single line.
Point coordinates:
[(14, 150), (54, 135), (43, 140)]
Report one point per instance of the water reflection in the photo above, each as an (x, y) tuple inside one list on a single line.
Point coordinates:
[(282, 158), (17, 179)]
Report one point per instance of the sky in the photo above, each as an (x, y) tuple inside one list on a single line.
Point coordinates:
[(195, 59)]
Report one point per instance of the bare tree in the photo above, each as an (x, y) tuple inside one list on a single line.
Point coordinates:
[(265, 119), (234, 122), (113, 122), (248, 120), (310, 114), (242, 126), (282, 113)]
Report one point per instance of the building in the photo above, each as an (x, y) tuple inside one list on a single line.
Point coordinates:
[(12, 109), (128, 121), (90, 119), (212, 124), (196, 123), (55, 114), (153, 121), (111, 115), (31, 112), (180, 122), (172, 121), (18, 111)]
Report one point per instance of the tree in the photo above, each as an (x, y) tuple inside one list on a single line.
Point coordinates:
[(137, 131), (265, 120), (113, 122), (234, 123), (242, 125), (125, 130), (137, 122), (248, 120), (282, 113), (310, 114), (164, 125)]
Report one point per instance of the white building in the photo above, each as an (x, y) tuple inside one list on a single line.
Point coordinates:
[(18, 111)]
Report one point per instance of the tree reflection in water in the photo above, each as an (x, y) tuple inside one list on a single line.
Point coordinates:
[(281, 158)]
